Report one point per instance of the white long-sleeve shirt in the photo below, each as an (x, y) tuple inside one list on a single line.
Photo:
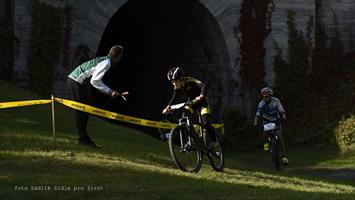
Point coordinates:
[(94, 69)]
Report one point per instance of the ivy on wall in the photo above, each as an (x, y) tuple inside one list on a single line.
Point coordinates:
[(293, 77), (82, 53), (50, 36), (66, 35), (316, 82), (254, 27)]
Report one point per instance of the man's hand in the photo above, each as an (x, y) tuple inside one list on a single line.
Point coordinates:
[(114, 93)]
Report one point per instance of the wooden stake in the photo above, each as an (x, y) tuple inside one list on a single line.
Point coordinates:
[(53, 123)]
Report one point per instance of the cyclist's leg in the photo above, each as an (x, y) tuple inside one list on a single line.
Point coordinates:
[(283, 146), (266, 141), (266, 138), (205, 117), (206, 125)]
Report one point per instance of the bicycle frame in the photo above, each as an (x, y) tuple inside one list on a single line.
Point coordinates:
[(187, 118), (190, 141), (273, 140)]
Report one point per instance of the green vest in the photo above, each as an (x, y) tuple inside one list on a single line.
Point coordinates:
[(83, 71)]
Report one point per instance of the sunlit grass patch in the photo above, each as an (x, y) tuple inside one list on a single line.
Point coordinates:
[(133, 165)]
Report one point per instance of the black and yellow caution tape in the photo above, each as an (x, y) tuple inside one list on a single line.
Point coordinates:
[(112, 115), (99, 112), (23, 103)]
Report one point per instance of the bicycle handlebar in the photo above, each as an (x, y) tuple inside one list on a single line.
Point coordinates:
[(177, 106)]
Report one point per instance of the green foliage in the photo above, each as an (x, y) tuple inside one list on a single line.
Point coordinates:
[(240, 133), (292, 77), (280, 68), (336, 50), (315, 97), (320, 68), (45, 46), (345, 133)]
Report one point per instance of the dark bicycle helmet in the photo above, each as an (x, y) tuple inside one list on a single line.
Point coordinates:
[(175, 73), (266, 91)]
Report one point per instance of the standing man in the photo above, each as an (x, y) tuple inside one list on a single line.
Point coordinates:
[(79, 80)]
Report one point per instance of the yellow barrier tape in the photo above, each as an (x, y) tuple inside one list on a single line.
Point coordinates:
[(98, 112), (23, 103), (119, 117), (112, 115)]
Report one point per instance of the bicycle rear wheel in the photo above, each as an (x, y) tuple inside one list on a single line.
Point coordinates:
[(275, 153), (215, 150), (184, 149)]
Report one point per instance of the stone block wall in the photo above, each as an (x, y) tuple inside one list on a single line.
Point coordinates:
[(22, 28), (91, 17), (303, 10), (344, 12)]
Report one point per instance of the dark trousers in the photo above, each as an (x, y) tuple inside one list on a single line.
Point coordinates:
[(80, 93)]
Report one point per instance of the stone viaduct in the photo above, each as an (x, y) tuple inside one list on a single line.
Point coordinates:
[(198, 35)]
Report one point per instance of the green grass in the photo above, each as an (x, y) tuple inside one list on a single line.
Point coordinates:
[(132, 165)]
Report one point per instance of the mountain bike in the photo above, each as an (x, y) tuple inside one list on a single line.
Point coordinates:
[(167, 118), (274, 144), (188, 142)]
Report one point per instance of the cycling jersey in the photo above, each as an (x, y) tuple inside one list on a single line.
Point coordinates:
[(94, 70), (270, 111), (192, 89)]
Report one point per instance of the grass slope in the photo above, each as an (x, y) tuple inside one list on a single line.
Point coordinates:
[(132, 165)]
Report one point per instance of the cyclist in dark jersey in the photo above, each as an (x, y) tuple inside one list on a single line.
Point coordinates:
[(270, 109), (195, 91)]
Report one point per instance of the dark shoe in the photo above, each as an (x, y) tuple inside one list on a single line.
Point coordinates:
[(88, 143)]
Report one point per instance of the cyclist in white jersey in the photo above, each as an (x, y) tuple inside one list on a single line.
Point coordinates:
[(270, 109), (79, 81)]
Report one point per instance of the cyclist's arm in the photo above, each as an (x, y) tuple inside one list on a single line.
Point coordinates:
[(258, 113), (256, 120), (167, 108), (283, 115), (172, 98), (281, 110), (202, 87)]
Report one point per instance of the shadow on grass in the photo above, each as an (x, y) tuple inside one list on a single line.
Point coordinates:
[(124, 179), (315, 163), (347, 175)]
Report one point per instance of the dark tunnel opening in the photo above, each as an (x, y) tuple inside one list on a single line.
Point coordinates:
[(157, 35)]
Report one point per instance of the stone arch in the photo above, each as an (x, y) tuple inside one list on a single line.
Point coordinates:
[(157, 35)]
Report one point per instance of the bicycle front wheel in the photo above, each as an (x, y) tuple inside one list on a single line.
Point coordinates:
[(275, 153), (215, 150), (184, 149)]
